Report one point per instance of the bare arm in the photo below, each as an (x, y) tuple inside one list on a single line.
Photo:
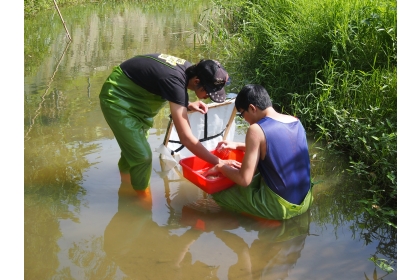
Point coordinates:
[(253, 141), (182, 125)]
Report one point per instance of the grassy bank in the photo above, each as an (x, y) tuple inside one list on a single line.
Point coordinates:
[(32, 7), (332, 63)]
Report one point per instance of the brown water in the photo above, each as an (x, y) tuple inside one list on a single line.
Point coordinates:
[(81, 222)]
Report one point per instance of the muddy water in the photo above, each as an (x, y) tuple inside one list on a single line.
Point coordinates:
[(82, 222)]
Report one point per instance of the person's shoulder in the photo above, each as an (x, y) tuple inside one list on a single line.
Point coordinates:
[(255, 130), (286, 118)]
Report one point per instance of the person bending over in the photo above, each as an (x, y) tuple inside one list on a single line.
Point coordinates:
[(138, 88)]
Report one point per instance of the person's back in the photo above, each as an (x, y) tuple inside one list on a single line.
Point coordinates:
[(276, 151), (286, 166)]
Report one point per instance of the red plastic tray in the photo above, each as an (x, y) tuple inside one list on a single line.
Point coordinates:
[(193, 167)]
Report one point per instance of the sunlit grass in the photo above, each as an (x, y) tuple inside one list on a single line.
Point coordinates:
[(333, 64)]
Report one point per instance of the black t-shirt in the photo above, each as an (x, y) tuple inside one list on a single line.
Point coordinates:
[(160, 74)]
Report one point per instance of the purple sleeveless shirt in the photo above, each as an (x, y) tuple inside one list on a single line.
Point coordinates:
[(286, 166)]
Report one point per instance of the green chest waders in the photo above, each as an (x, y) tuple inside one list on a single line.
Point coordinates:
[(129, 111), (259, 200)]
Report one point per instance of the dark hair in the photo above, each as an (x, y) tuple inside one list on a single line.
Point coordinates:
[(193, 71), (190, 71), (253, 94)]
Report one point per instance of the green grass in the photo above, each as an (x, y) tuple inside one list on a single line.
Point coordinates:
[(33, 7), (332, 63)]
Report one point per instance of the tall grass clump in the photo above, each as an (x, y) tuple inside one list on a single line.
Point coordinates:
[(33, 7), (333, 64)]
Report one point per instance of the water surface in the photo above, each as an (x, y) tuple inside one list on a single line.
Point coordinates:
[(81, 222)]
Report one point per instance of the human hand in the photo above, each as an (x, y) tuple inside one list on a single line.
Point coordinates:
[(232, 163), (214, 171), (198, 106), (225, 144), (211, 172)]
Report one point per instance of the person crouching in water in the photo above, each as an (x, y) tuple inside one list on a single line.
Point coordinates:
[(273, 181)]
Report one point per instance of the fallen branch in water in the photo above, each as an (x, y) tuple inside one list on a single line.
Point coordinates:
[(45, 93), (58, 10)]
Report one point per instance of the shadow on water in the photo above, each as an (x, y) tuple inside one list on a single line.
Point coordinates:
[(81, 222)]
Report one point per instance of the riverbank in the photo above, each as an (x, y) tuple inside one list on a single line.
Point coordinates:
[(333, 64)]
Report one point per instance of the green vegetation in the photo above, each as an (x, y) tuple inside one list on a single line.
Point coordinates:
[(33, 7), (333, 64)]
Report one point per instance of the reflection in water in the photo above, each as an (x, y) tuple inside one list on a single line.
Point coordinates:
[(41, 232), (32, 120), (51, 194), (144, 250), (137, 244), (89, 255)]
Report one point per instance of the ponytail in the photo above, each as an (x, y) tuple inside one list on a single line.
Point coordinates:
[(192, 70)]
